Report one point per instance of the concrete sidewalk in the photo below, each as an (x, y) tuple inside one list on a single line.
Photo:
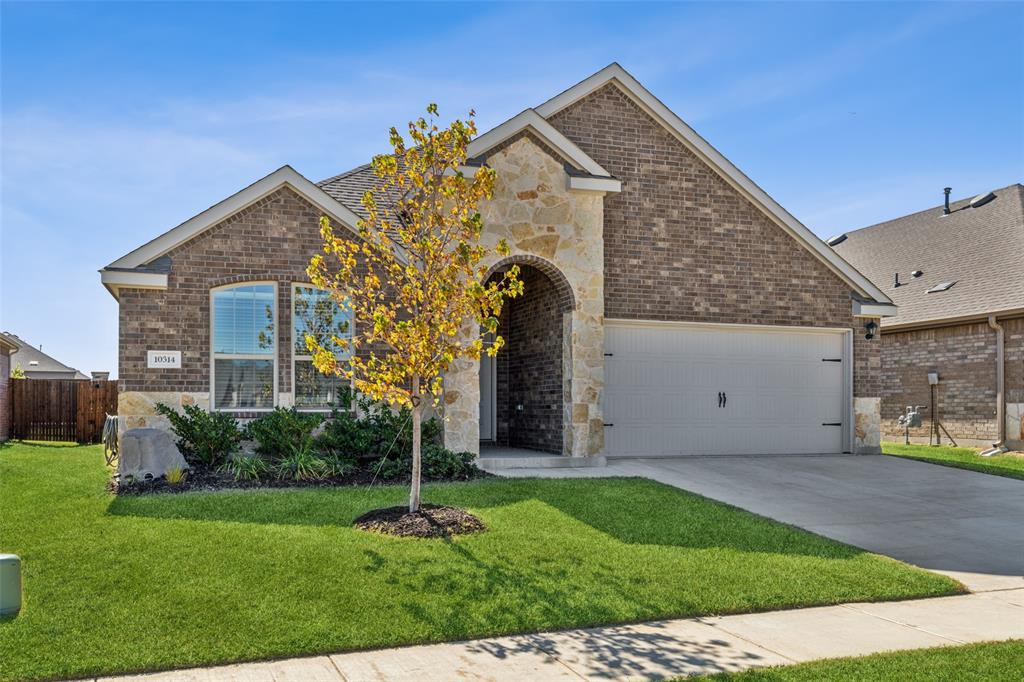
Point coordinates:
[(661, 649)]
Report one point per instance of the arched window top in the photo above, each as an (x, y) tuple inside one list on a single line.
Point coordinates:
[(244, 346)]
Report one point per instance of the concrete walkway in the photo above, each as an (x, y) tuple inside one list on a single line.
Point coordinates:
[(965, 524), (651, 651)]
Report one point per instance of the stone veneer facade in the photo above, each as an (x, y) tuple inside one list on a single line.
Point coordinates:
[(678, 243), (965, 358), (558, 232)]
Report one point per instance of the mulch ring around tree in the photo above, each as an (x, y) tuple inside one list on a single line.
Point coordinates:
[(431, 521)]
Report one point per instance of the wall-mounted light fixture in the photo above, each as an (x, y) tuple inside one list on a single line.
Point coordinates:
[(869, 329)]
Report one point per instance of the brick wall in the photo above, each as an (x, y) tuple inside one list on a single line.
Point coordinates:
[(271, 240), (1013, 341), (5, 395), (965, 358), (529, 367), (681, 244)]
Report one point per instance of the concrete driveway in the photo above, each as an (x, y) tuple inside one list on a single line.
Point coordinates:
[(967, 525)]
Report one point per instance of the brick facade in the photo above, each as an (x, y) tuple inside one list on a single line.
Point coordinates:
[(682, 244), (965, 358), (678, 243), (272, 240), (529, 368)]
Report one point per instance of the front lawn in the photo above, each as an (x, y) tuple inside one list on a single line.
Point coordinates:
[(118, 584), (988, 662), (1011, 466)]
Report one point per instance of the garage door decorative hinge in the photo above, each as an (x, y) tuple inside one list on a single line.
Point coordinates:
[(831, 359), (832, 423)]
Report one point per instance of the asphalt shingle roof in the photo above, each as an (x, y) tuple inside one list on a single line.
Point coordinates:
[(27, 354), (981, 249)]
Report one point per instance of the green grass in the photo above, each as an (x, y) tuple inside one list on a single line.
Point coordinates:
[(988, 662), (1011, 466), (131, 584)]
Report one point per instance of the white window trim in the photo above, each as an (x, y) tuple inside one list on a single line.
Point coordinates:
[(295, 356), (243, 356)]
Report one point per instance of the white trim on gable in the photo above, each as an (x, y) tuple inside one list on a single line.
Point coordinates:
[(617, 75), (529, 119), (590, 184), (862, 309), (113, 280), (284, 176)]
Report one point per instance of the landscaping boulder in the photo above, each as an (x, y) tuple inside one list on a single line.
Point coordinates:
[(148, 453)]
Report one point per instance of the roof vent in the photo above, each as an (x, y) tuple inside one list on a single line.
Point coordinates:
[(946, 190), (940, 287), (916, 273), (982, 199), (833, 241)]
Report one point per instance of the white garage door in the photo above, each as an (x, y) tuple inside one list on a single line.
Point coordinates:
[(690, 390)]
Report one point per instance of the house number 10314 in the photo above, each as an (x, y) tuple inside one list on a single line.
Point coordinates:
[(163, 359)]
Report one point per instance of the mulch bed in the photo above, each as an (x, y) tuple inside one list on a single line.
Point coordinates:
[(210, 480), (431, 521)]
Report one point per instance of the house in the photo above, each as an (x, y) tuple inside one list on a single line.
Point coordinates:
[(671, 306), (6, 348), (956, 271), (35, 363)]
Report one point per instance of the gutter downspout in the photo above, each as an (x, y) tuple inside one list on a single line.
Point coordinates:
[(999, 446)]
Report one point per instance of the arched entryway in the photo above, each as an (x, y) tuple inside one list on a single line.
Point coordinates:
[(525, 389)]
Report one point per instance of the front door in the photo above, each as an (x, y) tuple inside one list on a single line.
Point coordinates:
[(488, 396)]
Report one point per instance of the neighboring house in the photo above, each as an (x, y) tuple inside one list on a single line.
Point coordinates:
[(6, 348), (36, 364), (671, 306), (960, 290)]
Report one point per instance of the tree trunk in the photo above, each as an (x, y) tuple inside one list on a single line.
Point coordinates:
[(417, 406)]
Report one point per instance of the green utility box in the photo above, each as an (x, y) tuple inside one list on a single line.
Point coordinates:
[(10, 584)]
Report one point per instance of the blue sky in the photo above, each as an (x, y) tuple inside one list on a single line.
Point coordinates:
[(120, 121)]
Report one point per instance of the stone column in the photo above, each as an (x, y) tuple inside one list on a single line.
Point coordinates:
[(461, 412), (867, 426)]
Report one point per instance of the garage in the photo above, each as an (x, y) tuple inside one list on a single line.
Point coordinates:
[(701, 389)]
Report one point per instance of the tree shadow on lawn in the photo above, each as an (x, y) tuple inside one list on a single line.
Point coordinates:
[(631, 510), (647, 650)]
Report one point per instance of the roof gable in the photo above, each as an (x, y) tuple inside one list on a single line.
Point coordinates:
[(614, 74), (284, 176), (25, 354), (530, 120)]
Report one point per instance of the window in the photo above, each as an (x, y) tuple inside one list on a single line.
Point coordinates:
[(244, 348), (314, 312)]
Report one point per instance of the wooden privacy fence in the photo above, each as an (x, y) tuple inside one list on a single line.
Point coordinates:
[(61, 409)]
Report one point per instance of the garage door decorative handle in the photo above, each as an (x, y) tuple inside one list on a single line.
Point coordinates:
[(722, 398)]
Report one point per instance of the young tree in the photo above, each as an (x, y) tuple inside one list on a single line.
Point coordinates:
[(413, 280)]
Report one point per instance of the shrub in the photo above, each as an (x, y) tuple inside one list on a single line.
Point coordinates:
[(277, 433), (338, 466), (175, 475), (246, 467), (442, 464), (380, 431), (439, 463), (206, 438), (302, 464), (346, 437)]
